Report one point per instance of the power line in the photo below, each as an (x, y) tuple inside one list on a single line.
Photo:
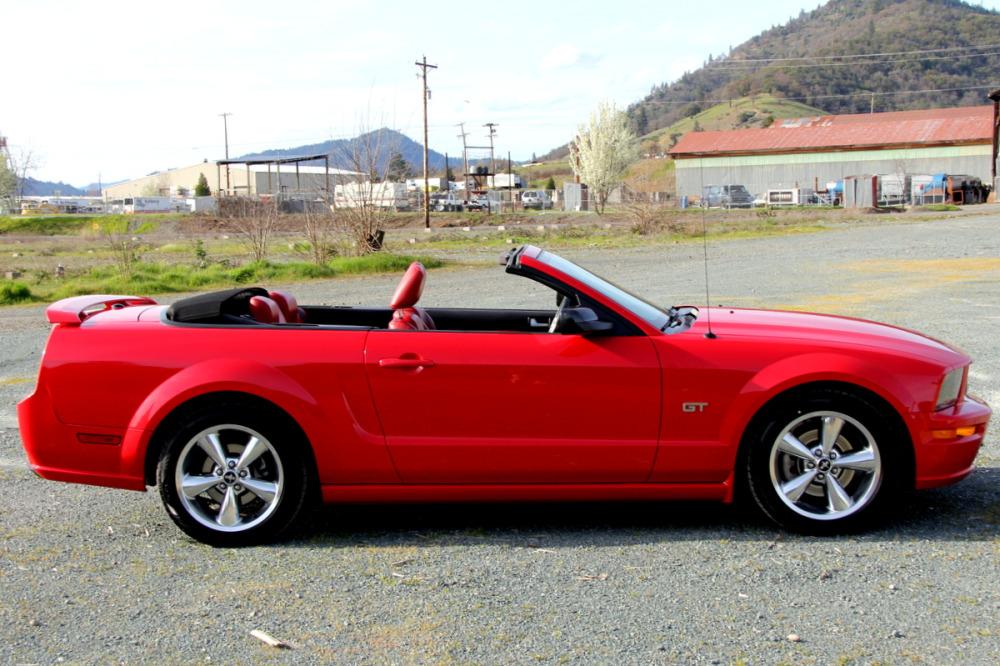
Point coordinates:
[(837, 96), (870, 55), (712, 67)]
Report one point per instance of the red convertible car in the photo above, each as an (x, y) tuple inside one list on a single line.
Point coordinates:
[(245, 408)]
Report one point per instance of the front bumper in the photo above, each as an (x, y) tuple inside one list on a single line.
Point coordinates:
[(940, 462)]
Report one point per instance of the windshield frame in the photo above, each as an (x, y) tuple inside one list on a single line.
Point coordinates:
[(652, 315)]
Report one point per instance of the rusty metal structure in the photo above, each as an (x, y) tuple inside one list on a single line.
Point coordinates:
[(296, 161)]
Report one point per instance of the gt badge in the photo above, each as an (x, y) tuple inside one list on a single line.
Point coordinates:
[(694, 406)]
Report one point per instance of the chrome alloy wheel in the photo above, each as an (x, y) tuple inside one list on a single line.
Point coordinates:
[(229, 478), (825, 465)]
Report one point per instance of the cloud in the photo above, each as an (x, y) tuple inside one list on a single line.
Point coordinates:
[(564, 56)]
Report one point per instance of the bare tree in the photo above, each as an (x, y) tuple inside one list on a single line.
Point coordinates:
[(8, 186), (603, 150), (255, 221), (121, 235), (13, 175), (319, 228), (364, 205)]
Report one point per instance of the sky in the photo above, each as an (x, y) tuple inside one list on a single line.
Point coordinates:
[(122, 89)]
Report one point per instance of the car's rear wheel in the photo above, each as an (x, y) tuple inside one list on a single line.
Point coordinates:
[(825, 462), (232, 477)]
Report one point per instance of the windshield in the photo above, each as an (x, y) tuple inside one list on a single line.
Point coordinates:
[(638, 306)]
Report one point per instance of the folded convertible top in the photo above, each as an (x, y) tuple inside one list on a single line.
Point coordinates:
[(214, 304)]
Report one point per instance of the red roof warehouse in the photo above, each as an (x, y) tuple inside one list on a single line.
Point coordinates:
[(809, 152)]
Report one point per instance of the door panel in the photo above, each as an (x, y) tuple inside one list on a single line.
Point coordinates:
[(516, 407)]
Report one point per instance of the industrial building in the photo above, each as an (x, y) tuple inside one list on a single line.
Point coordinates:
[(258, 177), (811, 152)]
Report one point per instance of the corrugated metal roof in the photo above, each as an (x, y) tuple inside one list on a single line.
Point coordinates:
[(971, 124)]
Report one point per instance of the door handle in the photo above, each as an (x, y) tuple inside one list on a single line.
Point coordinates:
[(405, 363)]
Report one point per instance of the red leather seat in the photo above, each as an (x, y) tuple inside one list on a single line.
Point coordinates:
[(265, 310), (289, 306), (406, 316)]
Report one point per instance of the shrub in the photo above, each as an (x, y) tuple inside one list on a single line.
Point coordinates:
[(15, 292)]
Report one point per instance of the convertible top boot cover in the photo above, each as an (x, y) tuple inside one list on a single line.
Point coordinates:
[(214, 304)]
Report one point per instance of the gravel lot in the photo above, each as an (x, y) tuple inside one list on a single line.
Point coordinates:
[(96, 575)]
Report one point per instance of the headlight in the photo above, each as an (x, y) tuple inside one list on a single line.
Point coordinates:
[(951, 386)]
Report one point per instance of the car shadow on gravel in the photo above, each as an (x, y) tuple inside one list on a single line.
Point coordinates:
[(969, 511)]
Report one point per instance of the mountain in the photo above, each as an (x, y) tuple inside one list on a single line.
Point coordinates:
[(45, 188), (949, 35), (340, 151)]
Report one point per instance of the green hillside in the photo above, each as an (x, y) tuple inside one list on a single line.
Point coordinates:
[(844, 86), (758, 111)]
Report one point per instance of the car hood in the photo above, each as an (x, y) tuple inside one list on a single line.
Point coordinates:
[(776, 325)]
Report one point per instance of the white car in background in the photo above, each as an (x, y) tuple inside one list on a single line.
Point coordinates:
[(538, 199)]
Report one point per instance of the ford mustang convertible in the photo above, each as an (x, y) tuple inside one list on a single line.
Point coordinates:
[(245, 408)]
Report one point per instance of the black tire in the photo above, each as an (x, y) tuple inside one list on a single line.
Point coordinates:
[(280, 470), (842, 490)]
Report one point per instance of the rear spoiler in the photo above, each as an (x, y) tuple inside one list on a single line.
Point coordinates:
[(72, 311)]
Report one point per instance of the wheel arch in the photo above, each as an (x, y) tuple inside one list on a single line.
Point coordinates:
[(260, 405), (248, 380), (789, 394)]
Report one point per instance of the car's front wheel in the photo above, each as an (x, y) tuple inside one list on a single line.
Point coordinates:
[(233, 477), (825, 462)]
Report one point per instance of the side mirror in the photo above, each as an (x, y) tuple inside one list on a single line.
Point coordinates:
[(586, 321)]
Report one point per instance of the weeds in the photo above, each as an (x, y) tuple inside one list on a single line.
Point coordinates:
[(154, 278), (44, 226), (15, 292)]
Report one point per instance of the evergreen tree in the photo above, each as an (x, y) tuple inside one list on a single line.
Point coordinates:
[(398, 169), (201, 189)]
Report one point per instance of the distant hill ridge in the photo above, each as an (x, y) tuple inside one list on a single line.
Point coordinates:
[(391, 141), (771, 89), (846, 27)]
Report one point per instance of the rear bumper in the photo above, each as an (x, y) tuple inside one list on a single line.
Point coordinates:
[(940, 462), (55, 451)]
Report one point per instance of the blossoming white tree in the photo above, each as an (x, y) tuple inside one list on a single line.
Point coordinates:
[(602, 151)]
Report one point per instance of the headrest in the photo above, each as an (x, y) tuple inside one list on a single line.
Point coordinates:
[(410, 287), (266, 311), (287, 304)]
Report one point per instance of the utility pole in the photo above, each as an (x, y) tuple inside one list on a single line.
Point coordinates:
[(465, 160), (872, 107), (510, 183), (493, 133), (225, 131), (422, 64)]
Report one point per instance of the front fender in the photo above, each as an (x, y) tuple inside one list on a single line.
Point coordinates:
[(802, 369), (214, 376)]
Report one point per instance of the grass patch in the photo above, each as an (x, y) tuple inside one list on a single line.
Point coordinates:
[(45, 225), (63, 225), (158, 278), (591, 236), (15, 292), (937, 208)]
